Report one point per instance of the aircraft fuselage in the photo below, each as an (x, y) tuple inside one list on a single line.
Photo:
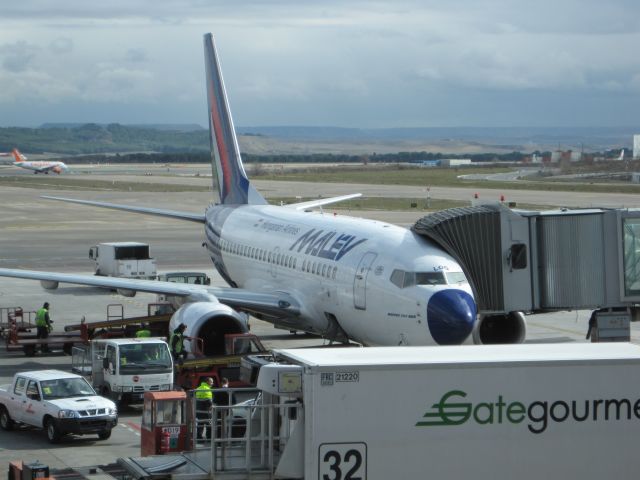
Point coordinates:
[(349, 275)]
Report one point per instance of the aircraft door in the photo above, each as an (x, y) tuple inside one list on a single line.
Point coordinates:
[(360, 281)]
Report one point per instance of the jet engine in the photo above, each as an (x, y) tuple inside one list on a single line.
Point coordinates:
[(500, 329), (210, 322)]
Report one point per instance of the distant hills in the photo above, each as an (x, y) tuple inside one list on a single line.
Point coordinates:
[(177, 127), (92, 138)]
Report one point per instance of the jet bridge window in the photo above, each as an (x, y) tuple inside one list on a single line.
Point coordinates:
[(631, 256), (402, 279)]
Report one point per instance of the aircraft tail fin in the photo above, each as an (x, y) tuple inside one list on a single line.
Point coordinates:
[(233, 184), (621, 155), (18, 156)]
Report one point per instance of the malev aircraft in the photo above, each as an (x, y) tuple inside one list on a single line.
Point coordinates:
[(339, 277)]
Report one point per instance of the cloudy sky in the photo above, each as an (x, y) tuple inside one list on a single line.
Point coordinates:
[(351, 63)]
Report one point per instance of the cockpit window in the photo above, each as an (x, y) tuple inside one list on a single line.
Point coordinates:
[(397, 278), (402, 279), (455, 277), (429, 278)]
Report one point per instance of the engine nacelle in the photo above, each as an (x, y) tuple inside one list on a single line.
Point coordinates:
[(209, 321), (49, 284), (500, 329), (126, 292)]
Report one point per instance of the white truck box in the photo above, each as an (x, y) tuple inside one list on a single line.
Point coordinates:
[(483, 412), (123, 259)]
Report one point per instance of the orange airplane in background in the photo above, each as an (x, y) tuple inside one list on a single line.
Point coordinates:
[(36, 166)]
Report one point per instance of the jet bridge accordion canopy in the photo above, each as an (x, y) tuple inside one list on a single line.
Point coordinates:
[(472, 236)]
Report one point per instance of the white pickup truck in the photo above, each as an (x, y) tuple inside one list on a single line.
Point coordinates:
[(60, 402)]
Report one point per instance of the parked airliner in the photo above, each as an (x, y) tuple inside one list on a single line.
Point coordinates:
[(340, 277), (41, 166)]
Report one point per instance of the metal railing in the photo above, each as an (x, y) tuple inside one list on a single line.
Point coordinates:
[(246, 437)]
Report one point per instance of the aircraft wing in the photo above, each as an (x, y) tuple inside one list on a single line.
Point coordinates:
[(321, 201), (272, 304), (194, 217)]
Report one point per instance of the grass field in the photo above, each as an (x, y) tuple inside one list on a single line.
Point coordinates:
[(441, 177)]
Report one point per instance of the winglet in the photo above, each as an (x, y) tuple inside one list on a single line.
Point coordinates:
[(233, 185)]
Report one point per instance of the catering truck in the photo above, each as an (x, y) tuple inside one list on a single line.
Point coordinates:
[(60, 402), (485, 412), (123, 259), (123, 369)]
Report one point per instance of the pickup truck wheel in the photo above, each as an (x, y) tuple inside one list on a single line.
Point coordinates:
[(5, 419), (53, 433), (104, 435)]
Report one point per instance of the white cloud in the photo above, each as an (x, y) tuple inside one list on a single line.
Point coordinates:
[(301, 61)]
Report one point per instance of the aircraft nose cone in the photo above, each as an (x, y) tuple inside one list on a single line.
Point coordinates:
[(450, 316)]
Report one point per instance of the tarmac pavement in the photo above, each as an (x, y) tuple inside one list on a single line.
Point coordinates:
[(46, 235)]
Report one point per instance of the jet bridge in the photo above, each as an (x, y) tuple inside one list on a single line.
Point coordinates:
[(523, 261)]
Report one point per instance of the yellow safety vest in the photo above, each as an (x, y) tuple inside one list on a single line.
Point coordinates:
[(41, 317), (144, 333), (204, 392), (178, 342)]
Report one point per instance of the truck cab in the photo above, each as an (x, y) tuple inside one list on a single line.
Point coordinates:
[(123, 369), (193, 278), (60, 402)]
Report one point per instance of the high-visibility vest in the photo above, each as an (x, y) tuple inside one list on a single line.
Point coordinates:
[(144, 333), (178, 347), (204, 392), (41, 317)]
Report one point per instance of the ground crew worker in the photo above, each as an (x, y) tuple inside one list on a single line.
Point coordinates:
[(204, 402), (143, 331), (43, 325), (176, 342)]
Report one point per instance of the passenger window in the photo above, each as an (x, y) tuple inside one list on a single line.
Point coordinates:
[(20, 383), (333, 275), (294, 262), (324, 270), (32, 389), (304, 265)]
